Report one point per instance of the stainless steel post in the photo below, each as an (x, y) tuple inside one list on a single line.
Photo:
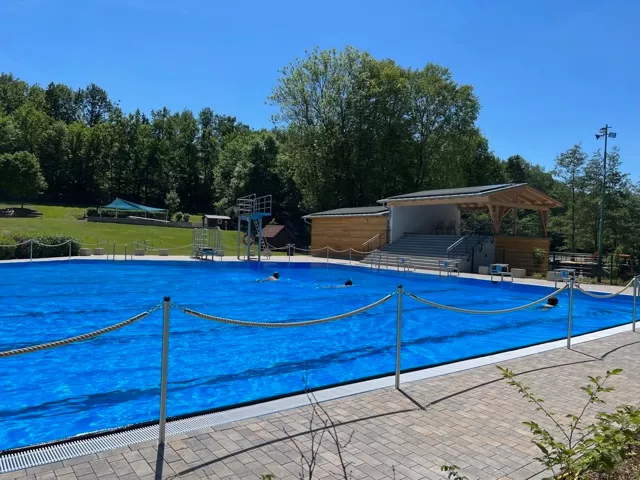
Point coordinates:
[(31, 250), (350, 255), (635, 296), (69, 250), (165, 365), (398, 337), (125, 252), (571, 280), (289, 251), (114, 251)]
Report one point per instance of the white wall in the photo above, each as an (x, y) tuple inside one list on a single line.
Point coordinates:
[(420, 219)]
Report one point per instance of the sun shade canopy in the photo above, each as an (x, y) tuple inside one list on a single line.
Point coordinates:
[(125, 205)]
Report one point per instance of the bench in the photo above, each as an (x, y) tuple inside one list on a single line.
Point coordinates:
[(98, 251), (163, 252), (84, 252), (501, 269), (139, 252)]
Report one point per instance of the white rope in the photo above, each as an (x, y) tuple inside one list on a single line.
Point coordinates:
[(305, 323), (78, 338), (604, 295), (57, 245), (338, 251), (484, 312), (17, 244)]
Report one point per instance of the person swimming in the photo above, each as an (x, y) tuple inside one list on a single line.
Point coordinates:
[(348, 283), (551, 302), (273, 278)]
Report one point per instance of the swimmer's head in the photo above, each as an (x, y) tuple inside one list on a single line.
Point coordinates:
[(348, 283), (553, 301), (276, 275)]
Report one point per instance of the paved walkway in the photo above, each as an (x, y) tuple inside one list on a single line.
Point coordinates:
[(470, 418)]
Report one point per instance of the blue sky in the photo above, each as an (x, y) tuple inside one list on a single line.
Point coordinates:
[(548, 73)]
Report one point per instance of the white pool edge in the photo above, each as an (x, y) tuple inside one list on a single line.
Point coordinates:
[(43, 455)]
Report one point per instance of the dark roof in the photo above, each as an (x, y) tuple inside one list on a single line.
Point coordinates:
[(455, 192), (351, 212), (270, 231)]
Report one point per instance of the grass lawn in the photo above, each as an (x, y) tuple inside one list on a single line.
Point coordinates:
[(64, 221)]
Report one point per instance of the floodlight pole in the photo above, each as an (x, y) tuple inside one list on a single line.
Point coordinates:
[(603, 132)]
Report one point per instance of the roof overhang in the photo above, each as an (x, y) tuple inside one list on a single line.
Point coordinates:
[(319, 215), (520, 196)]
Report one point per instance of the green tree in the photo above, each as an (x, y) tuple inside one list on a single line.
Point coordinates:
[(569, 169), (20, 176)]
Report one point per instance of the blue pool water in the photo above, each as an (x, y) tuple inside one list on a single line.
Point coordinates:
[(113, 381)]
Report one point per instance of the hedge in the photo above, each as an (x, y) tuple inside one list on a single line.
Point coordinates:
[(39, 251)]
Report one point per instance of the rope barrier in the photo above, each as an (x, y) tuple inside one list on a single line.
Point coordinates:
[(78, 338), (305, 323), (604, 295), (484, 312), (16, 245), (57, 245)]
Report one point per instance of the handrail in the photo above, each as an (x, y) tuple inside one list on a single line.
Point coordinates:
[(377, 235), (457, 242)]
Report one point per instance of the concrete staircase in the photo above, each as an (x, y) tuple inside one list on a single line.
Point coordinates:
[(425, 251)]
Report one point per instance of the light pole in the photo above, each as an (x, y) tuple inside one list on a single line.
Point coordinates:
[(604, 132)]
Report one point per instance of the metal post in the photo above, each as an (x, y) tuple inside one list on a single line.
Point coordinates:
[(604, 184), (327, 254), (69, 250), (350, 249), (571, 280), (259, 238), (239, 233), (635, 296), (165, 365), (125, 252), (248, 239), (398, 337), (31, 250), (289, 251), (114, 251)]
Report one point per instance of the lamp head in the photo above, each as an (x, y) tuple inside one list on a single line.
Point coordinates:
[(612, 135), (598, 136)]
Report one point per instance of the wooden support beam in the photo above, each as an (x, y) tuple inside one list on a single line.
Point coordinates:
[(544, 218), (515, 222)]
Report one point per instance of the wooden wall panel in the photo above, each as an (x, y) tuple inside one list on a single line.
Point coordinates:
[(518, 252), (345, 232)]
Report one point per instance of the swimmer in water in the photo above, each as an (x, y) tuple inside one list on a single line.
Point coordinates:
[(273, 278), (551, 302), (348, 283)]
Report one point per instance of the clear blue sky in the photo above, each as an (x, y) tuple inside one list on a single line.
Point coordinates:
[(548, 73)]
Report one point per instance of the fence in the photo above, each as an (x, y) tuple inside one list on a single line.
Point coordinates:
[(33, 248)]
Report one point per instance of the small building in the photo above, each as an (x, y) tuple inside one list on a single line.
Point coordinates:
[(346, 228), (428, 224), (277, 236), (212, 221)]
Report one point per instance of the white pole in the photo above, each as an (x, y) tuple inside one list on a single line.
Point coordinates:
[(114, 251), (289, 250), (69, 250), (31, 250), (165, 365), (350, 255), (635, 296), (570, 313), (327, 254), (125, 252), (398, 337)]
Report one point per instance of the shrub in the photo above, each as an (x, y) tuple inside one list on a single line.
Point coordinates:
[(186, 217), (539, 255), (41, 248), (93, 212), (178, 217)]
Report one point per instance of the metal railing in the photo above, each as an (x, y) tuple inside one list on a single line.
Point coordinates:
[(376, 242), (466, 245)]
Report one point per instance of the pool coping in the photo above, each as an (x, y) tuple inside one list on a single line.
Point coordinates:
[(38, 455)]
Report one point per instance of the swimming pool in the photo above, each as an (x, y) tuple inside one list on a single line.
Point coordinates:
[(113, 380)]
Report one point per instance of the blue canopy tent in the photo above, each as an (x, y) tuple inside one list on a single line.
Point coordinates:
[(126, 206)]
